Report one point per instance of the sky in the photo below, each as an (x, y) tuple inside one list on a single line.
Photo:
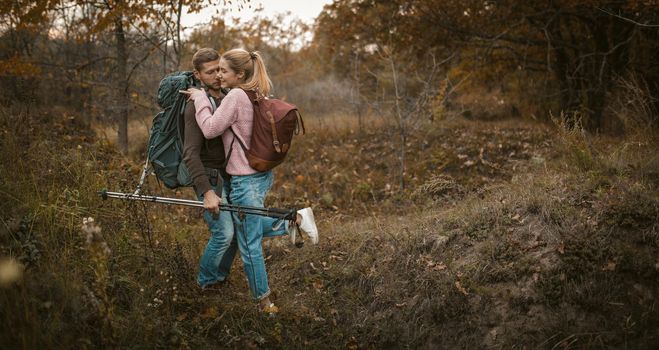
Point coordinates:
[(307, 10)]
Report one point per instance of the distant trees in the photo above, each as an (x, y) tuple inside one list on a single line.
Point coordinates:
[(576, 49), (104, 57), (91, 45), (151, 24)]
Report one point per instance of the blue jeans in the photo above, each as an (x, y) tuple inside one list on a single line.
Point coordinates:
[(250, 190), (215, 262)]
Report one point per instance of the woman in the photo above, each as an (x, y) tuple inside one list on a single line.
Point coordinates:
[(241, 70)]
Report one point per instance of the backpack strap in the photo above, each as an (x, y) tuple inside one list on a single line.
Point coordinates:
[(273, 128), (299, 122), (235, 137), (253, 97), (226, 160), (213, 104), (250, 95)]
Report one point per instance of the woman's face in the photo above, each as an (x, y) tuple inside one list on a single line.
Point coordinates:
[(228, 78)]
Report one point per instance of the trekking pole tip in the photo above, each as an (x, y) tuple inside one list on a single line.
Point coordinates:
[(103, 193)]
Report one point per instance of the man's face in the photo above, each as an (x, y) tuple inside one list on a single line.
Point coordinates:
[(208, 75)]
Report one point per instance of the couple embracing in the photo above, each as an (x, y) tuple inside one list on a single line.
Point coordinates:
[(213, 122)]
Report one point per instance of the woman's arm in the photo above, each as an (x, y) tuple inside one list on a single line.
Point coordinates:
[(213, 124)]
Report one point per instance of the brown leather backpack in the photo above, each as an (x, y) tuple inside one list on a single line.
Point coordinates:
[(275, 123)]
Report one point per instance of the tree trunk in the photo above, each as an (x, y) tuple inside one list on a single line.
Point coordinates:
[(179, 44), (122, 100)]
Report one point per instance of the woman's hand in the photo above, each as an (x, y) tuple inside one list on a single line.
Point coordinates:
[(191, 93)]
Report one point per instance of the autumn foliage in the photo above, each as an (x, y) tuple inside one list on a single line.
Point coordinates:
[(484, 175)]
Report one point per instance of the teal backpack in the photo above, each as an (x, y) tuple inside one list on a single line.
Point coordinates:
[(165, 148)]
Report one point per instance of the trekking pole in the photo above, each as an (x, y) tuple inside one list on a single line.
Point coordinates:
[(284, 214)]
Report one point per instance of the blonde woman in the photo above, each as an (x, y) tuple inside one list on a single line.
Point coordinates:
[(241, 70)]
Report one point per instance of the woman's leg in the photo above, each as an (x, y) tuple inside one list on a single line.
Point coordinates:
[(250, 190), (267, 224)]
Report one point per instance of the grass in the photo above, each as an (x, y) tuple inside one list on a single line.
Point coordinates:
[(502, 239)]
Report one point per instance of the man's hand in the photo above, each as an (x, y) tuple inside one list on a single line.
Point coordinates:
[(212, 202)]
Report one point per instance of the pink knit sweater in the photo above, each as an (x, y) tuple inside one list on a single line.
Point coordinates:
[(235, 112)]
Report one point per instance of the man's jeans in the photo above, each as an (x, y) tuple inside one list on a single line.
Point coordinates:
[(250, 190), (215, 263)]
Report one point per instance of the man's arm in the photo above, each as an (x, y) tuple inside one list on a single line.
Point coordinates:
[(193, 142)]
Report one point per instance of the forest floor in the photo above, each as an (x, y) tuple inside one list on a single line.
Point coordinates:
[(506, 234)]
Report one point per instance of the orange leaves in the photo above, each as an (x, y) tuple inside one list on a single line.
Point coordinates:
[(425, 260), (460, 288), (318, 286), (209, 313), (609, 266), (26, 15), (20, 67)]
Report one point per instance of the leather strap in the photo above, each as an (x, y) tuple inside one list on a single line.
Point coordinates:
[(275, 140)]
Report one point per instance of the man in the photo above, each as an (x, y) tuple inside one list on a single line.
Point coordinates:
[(205, 160)]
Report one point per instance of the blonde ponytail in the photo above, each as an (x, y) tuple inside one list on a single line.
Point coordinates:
[(256, 75)]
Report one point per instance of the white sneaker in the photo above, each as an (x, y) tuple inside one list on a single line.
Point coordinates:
[(292, 231), (308, 224)]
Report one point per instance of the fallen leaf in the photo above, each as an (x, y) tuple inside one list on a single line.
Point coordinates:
[(610, 266), (318, 285), (352, 344), (561, 248), (251, 344), (211, 312), (460, 288)]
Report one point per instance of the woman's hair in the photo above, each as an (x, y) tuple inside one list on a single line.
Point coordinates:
[(256, 76), (203, 56)]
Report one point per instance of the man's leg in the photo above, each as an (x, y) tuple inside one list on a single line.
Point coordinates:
[(215, 262)]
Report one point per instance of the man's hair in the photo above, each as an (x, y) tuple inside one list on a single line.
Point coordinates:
[(203, 56)]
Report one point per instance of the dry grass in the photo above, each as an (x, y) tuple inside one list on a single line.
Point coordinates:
[(508, 242), (340, 123), (138, 134)]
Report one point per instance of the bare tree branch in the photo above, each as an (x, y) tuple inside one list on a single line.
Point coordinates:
[(628, 19)]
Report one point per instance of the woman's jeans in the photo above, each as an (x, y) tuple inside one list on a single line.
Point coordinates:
[(250, 190), (215, 262)]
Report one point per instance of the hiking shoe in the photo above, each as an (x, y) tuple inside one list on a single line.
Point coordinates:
[(214, 287), (308, 224), (292, 232), (270, 310)]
